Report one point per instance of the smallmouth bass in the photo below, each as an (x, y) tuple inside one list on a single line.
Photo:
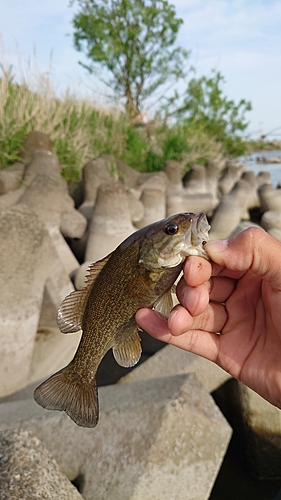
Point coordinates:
[(139, 273)]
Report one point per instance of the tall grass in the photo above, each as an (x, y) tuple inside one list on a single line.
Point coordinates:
[(81, 129), (78, 128)]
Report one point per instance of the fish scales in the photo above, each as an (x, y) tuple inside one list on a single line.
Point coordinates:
[(139, 273)]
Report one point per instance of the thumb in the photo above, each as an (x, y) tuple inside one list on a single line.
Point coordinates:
[(253, 250)]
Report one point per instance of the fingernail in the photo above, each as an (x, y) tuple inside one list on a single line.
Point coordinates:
[(216, 246)]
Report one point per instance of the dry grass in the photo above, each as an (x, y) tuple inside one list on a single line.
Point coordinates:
[(79, 129)]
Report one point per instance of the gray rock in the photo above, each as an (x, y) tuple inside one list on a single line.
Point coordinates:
[(28, 262), (196, 180), (233, 207), (270, 198), (161, 438), (127, 175), (111, 221), (171, 361), (35, 141), (47, 195), (27, 470), (276, 233), (11, 177), (244, 224), (271, 219), (229, 176), (42, 162), (169, 441), (153, 199), (8, 200), (174, 171), (22, 277), (257, 425), (264, 178), (96, 172)]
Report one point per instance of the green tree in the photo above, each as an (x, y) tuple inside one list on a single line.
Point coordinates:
[(206, 107), (134, 41)]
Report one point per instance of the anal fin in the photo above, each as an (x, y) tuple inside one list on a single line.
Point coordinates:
[(128, 352)]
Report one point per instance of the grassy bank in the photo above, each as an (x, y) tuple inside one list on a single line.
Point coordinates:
[(262, 145), (81, 129)]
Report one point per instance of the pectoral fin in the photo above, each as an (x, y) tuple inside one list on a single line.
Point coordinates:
[(128, 352), (165, 304)]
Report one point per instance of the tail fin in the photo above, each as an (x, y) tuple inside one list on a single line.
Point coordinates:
[(66, 391)]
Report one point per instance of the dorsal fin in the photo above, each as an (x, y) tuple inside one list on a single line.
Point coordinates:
[(71, 311)]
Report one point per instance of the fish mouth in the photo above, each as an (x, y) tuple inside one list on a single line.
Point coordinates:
[(197, 236)]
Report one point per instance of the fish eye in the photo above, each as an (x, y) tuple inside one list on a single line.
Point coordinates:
[(171, 229)]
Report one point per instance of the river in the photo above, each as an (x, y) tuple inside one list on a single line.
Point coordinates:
[(274, 168)]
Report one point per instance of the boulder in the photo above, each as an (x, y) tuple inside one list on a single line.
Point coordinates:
[(8, 200), (174, 171), (42, 162), (244, 224), (153, 199), (35, 141), (195, 180), (111, 221), (127, 175), (257, 425), (212, 178), (102, 170), (270, 198), (229, 176), (271, 219), (47, 196), (11, 177), (28, 260), (161, 438), (171, 361), (28, 472), (135, 205), (276, 233), (264, 178), (232, 208)]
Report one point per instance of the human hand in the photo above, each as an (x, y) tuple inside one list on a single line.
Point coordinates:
[(237, 295)]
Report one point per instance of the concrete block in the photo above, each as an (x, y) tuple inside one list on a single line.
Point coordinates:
[(111, 221), (257, 426), (195, 180), (11, 177), (28, 472), (11, 198), (22, 277), (154, 203), (171, 361), (271, 219), (29, 264), (41, 162), (161, 438), (96, 172), (270, 198), (34, 141)]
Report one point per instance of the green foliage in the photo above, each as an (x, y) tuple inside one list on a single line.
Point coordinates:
[(80, 130), (135, 149), (133, 40), (205, 107)]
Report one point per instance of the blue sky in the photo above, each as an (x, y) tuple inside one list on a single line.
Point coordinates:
[(240, 38)]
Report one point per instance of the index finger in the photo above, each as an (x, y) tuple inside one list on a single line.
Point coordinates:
[(196, 270)]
